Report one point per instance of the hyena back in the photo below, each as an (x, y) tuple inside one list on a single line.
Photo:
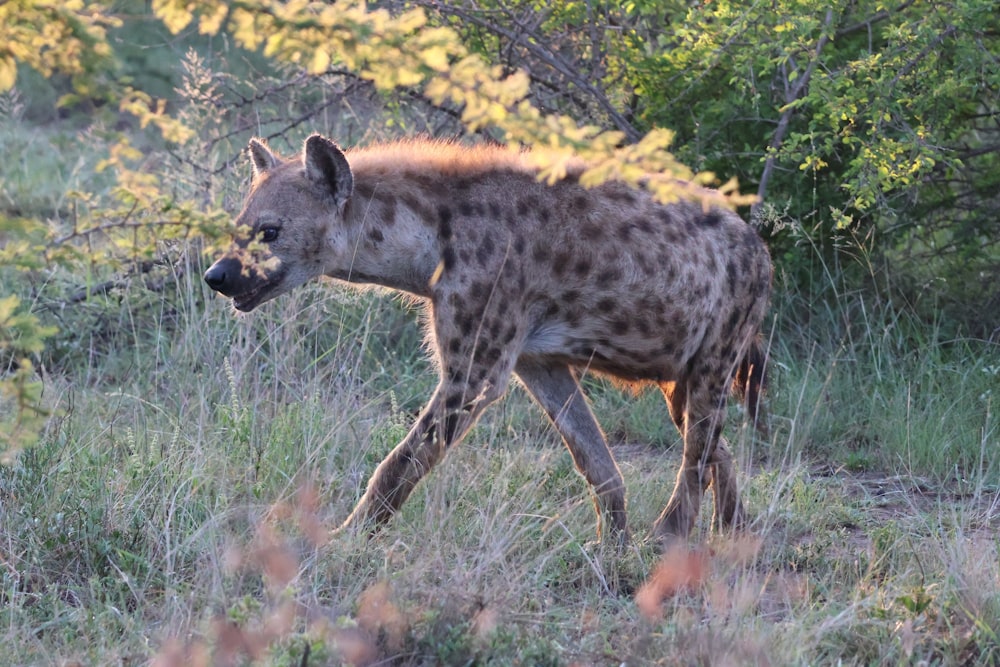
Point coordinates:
[(542, 282)]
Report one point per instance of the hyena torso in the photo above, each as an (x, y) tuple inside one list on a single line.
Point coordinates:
[(542, 282)]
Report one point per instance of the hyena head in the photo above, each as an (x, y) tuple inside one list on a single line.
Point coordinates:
[(291, 225)]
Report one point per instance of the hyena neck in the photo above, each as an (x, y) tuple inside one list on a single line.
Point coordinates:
[(393, 242), (404, 194)]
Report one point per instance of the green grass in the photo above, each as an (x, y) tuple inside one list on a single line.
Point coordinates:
[(174, 508)]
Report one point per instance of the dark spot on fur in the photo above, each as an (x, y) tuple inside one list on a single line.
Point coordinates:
[(544, 215), (448, 257), (426, 422), (570, 296), (495, 211), (645, 264), (711, 219), (519, 245), (424, 212), (479, 291), (620, 326), (494, 327), (643, 226), (607, 305), (582, 267), (559, 263), (729, 328), (491, 355), (375, 234), (541, 253), (608, 276), (455, 345), (450, 429), (525, 205), (485, 250), (592, 232), (389, 211), (621, 195), (444, 223)]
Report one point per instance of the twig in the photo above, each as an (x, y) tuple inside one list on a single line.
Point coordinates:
[(786, 116)]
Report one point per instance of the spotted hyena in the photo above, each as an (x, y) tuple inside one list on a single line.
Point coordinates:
[(541, 282)]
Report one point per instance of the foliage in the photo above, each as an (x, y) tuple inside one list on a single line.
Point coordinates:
[(68, 37), (21, 335)]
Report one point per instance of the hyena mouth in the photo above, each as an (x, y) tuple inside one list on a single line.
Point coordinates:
[(266, 289), (249, 300)]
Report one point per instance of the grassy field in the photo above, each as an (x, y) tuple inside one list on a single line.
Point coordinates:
[(175, 511), (176, 507)]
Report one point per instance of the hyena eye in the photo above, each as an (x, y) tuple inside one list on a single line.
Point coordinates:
[(268, 234)]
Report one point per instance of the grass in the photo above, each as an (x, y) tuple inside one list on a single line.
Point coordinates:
[(176, 509)]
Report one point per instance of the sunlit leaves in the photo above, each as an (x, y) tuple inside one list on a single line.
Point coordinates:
[(148, 111), (21, 411), (64, 36)]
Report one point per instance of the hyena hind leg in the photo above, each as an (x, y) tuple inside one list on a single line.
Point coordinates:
[(556, 389), (699, 413)]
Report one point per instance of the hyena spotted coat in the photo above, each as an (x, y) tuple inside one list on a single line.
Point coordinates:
[(542, 282)]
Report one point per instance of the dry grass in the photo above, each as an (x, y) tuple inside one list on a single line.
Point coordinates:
[(177, 513)]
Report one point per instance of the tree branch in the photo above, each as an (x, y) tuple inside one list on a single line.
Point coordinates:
[(546, 57), (786, 116)]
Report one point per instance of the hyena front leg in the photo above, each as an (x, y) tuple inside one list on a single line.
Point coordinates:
[(449, 415), (558, 392)]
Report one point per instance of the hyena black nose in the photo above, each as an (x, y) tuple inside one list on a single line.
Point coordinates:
[(217, 274)]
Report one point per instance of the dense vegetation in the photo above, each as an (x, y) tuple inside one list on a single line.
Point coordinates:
[(168, 467)]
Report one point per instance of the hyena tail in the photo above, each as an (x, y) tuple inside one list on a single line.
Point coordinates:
[(750, 382)]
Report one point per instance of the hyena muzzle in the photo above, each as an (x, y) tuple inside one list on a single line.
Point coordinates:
[(521, 278)]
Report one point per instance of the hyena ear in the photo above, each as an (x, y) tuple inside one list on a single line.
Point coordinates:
[(327, 167), (261, 157)]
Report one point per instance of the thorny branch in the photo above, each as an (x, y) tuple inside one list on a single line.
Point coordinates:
[(786, 116), (532, 42)]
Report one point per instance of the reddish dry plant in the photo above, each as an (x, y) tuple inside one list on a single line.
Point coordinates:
[(379, 616), (679, 570), (684, 569)]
